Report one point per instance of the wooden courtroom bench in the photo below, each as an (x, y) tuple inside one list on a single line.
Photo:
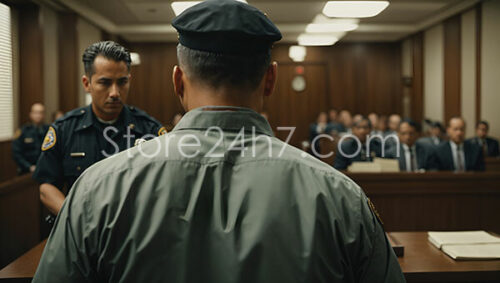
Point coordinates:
[(492, 163), (20, 217), (434, 200)]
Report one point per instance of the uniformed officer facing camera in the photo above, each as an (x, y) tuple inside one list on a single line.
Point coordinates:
[(28, 140), (89, 134), (225, 209)]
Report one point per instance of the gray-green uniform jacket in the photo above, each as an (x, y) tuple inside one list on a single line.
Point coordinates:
[(189, 206)]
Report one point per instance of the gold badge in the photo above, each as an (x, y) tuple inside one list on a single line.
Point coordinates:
[(162, 131), (50, 139), (374, 210)]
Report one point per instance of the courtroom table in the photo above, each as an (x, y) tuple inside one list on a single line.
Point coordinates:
[(441, 201), (23, 269), (422, 262)]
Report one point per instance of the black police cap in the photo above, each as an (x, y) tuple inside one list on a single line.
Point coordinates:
[(226, 26)]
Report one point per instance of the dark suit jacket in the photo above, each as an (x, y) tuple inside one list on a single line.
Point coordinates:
[(349, 147), (474, 160), (426, 158), (492, 144), (429, 140)]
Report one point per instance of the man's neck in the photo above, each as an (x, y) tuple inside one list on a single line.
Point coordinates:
[(105, 117), (222, 97)]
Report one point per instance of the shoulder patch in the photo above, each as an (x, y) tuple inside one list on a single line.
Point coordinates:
[(17, 134), (374, 210), (50, 139), (162, 131)]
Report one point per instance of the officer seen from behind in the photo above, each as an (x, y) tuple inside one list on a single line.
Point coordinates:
[(89, 134), (218, 207)]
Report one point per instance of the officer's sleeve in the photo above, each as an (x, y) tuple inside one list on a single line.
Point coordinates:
[(17, 152), (49, 168), (377, 262), (69, 255)]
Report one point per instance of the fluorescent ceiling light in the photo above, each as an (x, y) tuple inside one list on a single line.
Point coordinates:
[(332, 27), (354, 9), (135, 58), (180, 6), (297, 53), (316, 39)]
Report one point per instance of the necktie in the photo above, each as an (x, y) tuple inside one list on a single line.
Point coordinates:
[(460, 161), (485, 148), (413, 159)]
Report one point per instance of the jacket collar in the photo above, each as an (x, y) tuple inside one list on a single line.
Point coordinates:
[(227, 118), (126, 119)]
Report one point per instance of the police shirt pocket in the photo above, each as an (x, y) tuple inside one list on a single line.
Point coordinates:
[(75, 164)]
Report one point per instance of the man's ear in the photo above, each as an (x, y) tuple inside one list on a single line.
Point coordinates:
[(270, 79), (177, 81), (86, 83)]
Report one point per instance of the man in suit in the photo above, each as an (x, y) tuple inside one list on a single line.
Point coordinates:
[(488, 145), (355, 147), (457, 155), (412, 156)]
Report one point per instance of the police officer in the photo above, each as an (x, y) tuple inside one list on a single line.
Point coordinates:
[(28, 140), (209, 202), (89, 134)]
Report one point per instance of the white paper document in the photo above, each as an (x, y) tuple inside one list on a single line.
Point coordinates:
[(467, 244)]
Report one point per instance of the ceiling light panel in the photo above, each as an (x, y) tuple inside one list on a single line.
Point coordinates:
[(354, 9)]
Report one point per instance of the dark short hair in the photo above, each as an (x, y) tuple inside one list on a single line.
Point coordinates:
[(411, 123), (483, 123), (217, 70), (109, 49), (363, 118)]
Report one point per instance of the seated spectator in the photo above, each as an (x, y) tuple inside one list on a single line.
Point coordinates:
[(457, 155), (345, 120), (373, 117), (393, 124), (380, 128), (489, 145), (436, 133), (334, 127), (355, 148), (412, 156), (318, 128), (332, 116)]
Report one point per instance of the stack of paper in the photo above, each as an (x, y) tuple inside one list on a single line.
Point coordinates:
[(467, 244)]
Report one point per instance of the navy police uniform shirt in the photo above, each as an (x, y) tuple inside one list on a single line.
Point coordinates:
[(26, 146), (78, 140)]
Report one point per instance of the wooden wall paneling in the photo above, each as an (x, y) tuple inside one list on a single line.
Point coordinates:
[(417, 93), (19, 217), (288, 108), (151, 86), (68, 61), (360, 77), (479, 19), (434, 201), (8, 167), (452, 67), (30, 60)]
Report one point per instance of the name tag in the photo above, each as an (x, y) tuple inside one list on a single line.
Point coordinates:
[(28, 140), (77, 154)]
